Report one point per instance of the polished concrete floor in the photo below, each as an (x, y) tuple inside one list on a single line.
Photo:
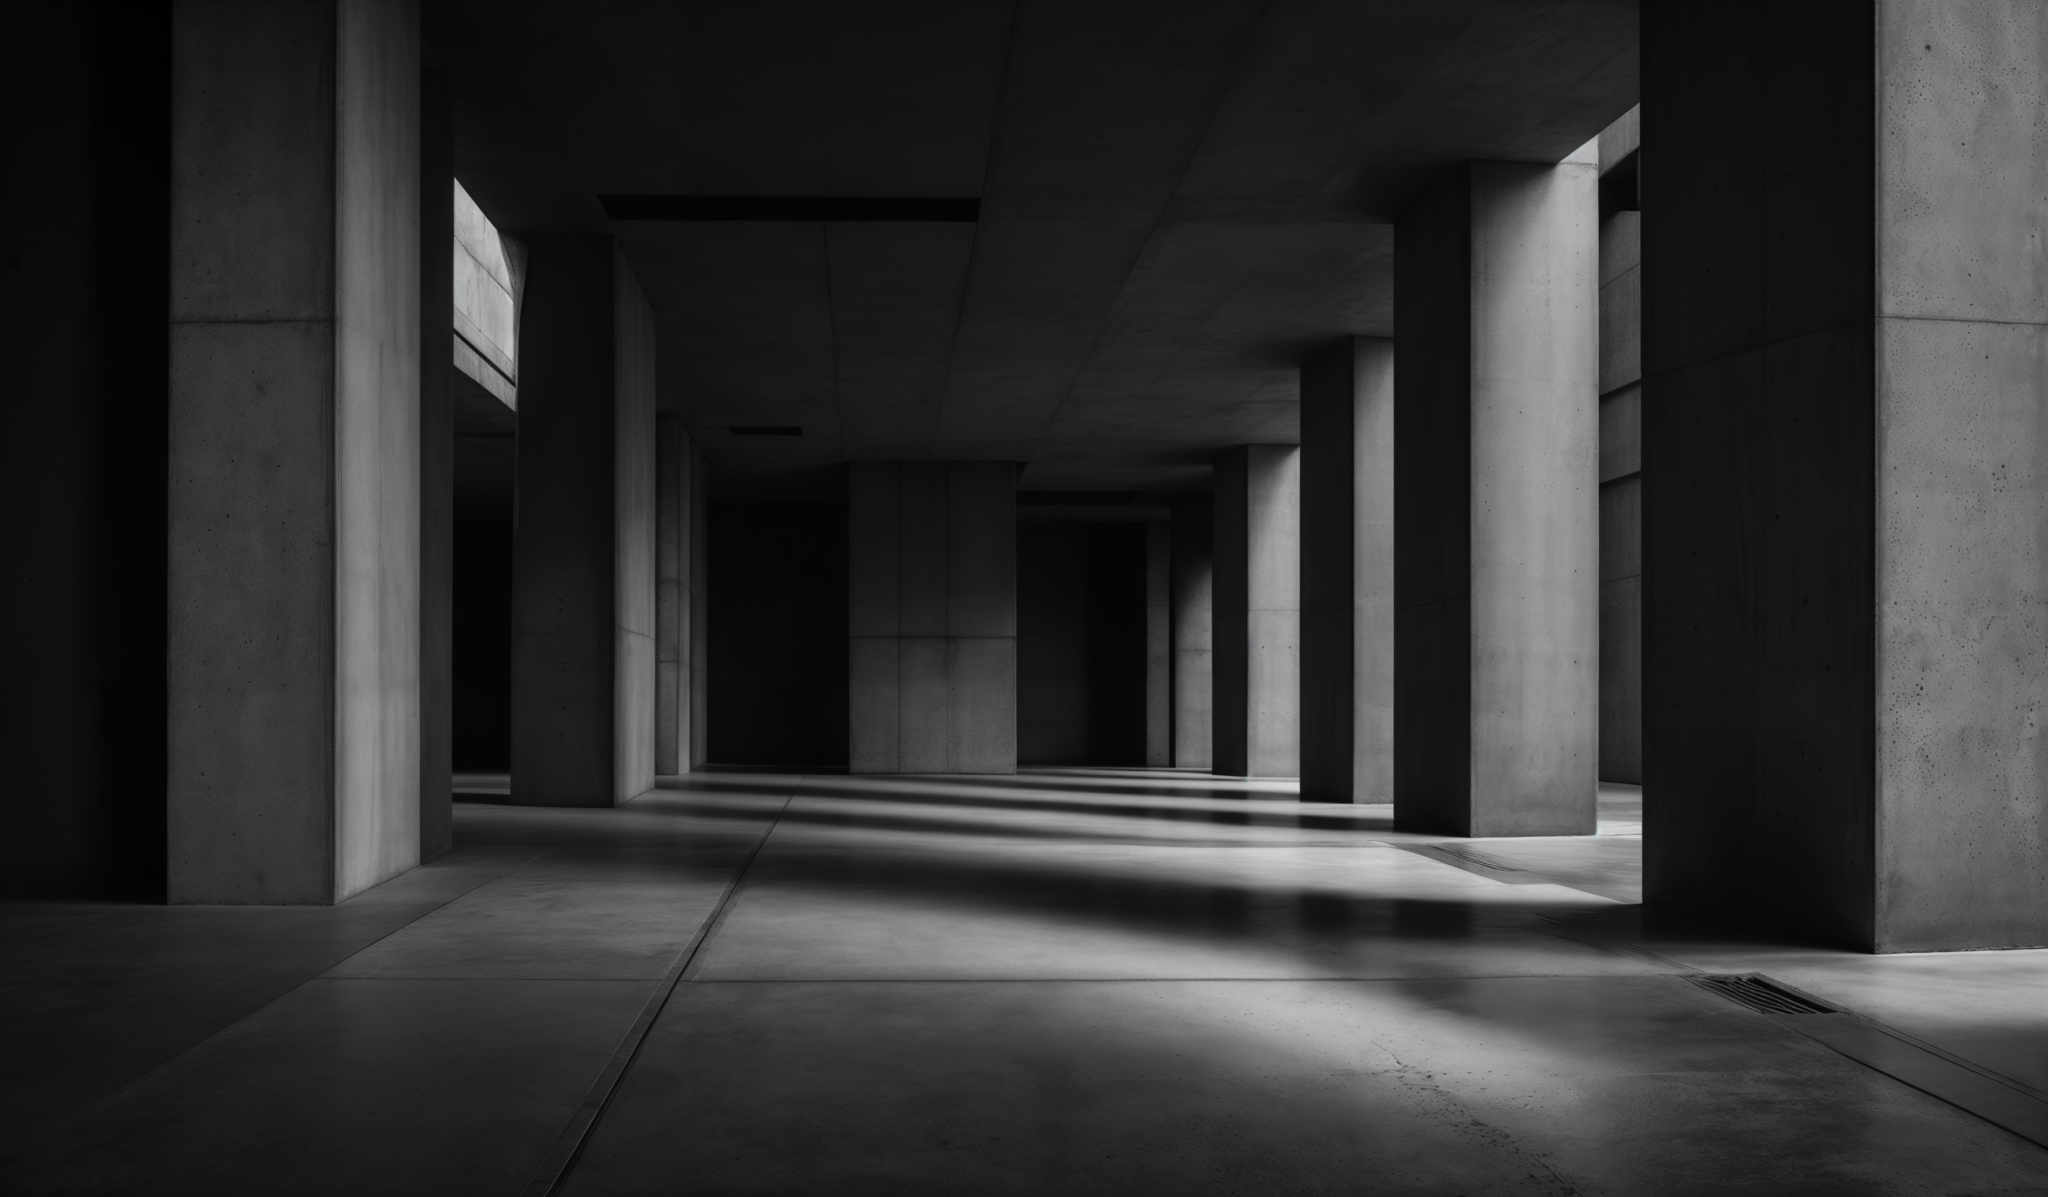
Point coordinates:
[(1060, 982)]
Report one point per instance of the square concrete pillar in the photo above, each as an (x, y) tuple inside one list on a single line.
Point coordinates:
[(1347, 572), (675, 490), (1194, 586), (1257, 630), (294, 482), (700, 613), (1845, 470), (583, 600), (1158, 644), (1496, 522), (932, 617), (437, 442)]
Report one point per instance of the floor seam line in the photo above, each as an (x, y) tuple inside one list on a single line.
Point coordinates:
[(569, 1145)]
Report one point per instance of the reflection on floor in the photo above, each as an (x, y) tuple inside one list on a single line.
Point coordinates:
[(1064, 981)]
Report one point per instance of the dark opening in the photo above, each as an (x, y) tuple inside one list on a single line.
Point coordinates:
[(778, 635), (1080, 643)]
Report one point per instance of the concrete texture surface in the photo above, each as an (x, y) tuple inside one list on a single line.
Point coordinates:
[(1173, 202), (1347, 572), (1194, 613), (932, 570), (583, 650), (675, 489), (377, 431), (1074, 980), (1496, 516), (1833, 647), (294, 757), (1257, 622), (437, 448), (633, 529), (700, 615), (1621, 483), (1159, 644)]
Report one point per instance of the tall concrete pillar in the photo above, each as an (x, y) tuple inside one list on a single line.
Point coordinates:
[(1347, 572), (933, 617), (1496, 523), (700, 613), (1158, 644), (294, 482), (1845, 466), (583, 593), (437, 441), (1257, 631), (675, 490), (1194, 586)]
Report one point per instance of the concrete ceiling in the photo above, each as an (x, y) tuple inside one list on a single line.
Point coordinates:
[(1175, 199)]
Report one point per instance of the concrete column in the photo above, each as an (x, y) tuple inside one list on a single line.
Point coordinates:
[(1158, 644), (1621, 460), (1845, 461), (437, 442), (932, 663), (294, 481), (583, 654), (1257, 634), (700, 614), (675, 461), (1496, 522), (1194, 584), (1347, 572)]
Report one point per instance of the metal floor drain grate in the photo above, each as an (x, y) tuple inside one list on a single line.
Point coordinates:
[(1760, 993)]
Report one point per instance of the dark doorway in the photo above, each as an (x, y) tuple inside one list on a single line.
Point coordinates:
[(777, 634), (1080, 643)]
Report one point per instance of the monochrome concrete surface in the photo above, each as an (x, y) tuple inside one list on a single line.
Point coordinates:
[(1015, 596)]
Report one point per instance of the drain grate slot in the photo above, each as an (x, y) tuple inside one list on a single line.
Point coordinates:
[(1480, 859), (1760, 993)]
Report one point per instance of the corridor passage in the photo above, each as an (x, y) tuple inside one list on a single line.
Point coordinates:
[(1097, 981)]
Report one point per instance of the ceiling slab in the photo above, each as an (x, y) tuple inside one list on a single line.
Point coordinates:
[(1175, 200)]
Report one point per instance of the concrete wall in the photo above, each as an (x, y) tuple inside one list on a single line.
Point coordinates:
[(778, 664), (82, 450), (933, 617), (1158, 644), (1496, 520), (1082, 654), (583, 595), (1194, 585), (1347, 572), (675, 465), (1257, 629), (294, 453), (1845, 350)]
